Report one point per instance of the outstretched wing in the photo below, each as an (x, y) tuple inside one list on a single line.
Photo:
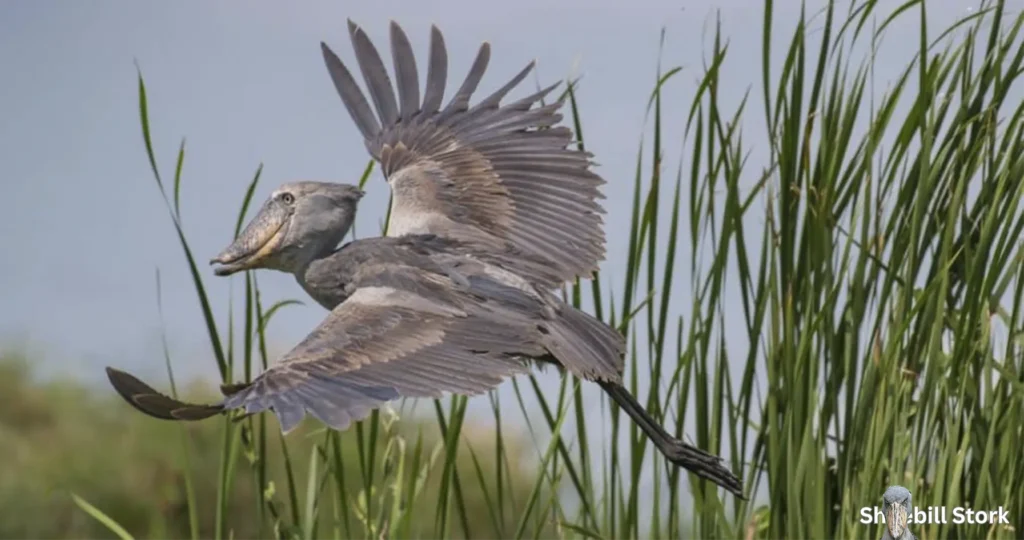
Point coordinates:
[(381, 344), (498, 174)]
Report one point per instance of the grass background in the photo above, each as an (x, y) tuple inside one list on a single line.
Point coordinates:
[(870, 267)]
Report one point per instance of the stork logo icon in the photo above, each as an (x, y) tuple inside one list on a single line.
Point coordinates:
[(896, 508)]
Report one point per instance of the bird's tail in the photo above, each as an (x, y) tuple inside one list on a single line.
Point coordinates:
[(689, 457), (153, 403), (587, 347)]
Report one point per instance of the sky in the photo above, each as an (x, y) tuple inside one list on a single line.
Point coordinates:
[(84, 229)]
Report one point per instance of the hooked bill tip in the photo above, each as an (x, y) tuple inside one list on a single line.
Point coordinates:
[(226, 262), (228, 269)]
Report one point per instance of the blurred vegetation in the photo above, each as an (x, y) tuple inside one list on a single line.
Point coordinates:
[(59, 438), (868, 273)]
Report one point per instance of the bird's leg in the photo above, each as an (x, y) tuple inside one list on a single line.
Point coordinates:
[(693, 459)]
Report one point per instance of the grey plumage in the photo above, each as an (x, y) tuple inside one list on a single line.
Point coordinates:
[(411, 316), (437, 72), (406, 75), (380, 344), (375, 74), (499, 175)]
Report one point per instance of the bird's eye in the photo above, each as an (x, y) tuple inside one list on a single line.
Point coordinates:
[(288, 198)]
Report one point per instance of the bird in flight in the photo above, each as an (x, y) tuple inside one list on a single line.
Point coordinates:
[(458, 297)]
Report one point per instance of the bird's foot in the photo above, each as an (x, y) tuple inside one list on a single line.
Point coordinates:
[(703, 464)]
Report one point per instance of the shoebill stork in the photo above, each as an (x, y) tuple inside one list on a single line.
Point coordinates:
[(896, 507), (457, 298)]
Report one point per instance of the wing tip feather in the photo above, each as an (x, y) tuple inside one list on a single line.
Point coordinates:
[(151, 402), (330, 57)]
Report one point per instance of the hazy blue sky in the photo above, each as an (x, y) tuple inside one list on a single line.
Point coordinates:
[(83, 227)]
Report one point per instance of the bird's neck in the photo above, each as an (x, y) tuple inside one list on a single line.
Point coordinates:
[(324, 279)]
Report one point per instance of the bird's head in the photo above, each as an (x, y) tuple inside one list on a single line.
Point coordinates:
[(297, 224), (896, 505)]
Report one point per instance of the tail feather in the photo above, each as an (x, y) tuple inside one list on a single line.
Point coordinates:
[(587, 347), (689, 457), (153, 403)]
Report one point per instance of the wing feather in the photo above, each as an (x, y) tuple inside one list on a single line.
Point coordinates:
[(379, 345), (406, 76), (351, 95), (376, 75), (500, 175), (460, 101), (492, 101), (437, 73)]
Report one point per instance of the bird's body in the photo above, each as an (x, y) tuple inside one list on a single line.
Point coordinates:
[(429, 270), (326, 279)]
